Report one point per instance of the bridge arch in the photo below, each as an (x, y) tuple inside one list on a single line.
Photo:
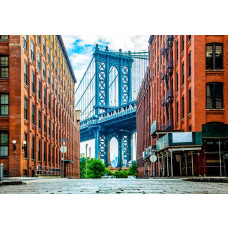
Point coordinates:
[(114, 150), (113, 87)]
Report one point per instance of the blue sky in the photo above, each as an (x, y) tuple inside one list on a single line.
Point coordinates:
[(80, 49)]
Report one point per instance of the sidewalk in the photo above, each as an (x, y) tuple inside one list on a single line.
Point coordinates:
[(207, 179)]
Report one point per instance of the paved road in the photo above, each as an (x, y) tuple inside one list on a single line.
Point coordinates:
[(114, 186)]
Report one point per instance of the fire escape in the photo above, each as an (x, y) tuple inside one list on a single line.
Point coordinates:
[(166, 76)]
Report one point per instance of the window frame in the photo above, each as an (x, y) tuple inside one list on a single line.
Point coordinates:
[(4, 144), (1, 94), (214, 97), (4, 67)]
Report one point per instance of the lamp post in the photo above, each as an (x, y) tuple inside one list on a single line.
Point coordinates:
[(86, 159)]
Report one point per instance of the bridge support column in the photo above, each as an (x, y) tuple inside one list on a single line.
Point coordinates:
[(97, 143), (120, 150)]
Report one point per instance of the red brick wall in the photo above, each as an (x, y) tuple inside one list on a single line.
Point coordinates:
[(197, 82), (15, 123)]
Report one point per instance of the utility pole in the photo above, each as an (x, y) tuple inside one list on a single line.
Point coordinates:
[(86, 159)]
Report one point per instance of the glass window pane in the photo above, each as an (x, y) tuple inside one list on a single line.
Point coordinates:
[(4, 61), (5, 110), (4, 150), (4, 72), (4, 138), (218, 57), (4, 99)]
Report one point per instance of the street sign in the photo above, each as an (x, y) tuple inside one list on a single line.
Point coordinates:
[(153, 158), (63, 149)]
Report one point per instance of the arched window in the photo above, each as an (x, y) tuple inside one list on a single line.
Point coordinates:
[(214, 56), (214, 95)]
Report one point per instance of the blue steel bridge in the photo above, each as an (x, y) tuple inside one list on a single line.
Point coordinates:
[(106, 96)]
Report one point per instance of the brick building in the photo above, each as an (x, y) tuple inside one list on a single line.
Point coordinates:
[(37, 90), (185, 89)]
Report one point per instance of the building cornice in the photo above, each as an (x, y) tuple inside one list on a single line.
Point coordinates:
[(59, 38)]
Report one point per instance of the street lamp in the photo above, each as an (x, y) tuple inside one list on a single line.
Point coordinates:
[(24, 145), (14, 145)]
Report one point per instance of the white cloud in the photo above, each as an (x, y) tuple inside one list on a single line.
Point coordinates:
[(80, 61)]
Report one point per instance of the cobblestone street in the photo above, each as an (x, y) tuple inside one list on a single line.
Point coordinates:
[(113, 186)]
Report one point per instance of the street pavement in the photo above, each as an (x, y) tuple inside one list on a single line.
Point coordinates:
[(113, 186)]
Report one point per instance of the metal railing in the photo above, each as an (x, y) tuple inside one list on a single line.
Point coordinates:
[(47, 171)]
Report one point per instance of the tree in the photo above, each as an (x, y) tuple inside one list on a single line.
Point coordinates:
[(82, 168), (121, 174), (132, 171), (96, 168)]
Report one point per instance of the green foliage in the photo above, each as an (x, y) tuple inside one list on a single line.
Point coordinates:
[(83, 168), (96, 168), (132, 171), (108, 172), (121, 174)]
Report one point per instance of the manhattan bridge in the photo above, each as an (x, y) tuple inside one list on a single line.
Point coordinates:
[(106, 96)]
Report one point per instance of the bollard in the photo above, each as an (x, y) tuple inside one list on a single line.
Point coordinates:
[(1, 172)]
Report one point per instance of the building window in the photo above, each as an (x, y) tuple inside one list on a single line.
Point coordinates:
[(214, 56), (214, 95), (49, 127), (25, 42), (182, 43), (39, 152), (48, 52), (177, 112), (33, 114), (38, 38), (39, 90), (25, 73), (44, 45), (33, 82), (52, 83), (49, 102), (189, 65), (49, 78), (25, 109), (4, 104), (52, 41), (189, 38), (4, 66), (183, 73), (190, 101), (45, 100), (38, 60), (4, 144), (39, 119), (32, 51), (52, 57), (183, 107), (177, 51), (44, 69), (4, 37), (177, 80), (45, 125), (33, 148), (25, 146)]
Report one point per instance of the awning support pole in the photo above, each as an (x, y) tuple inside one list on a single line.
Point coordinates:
[(171, 153), (163, 166), (192, 164), (167, 164), (186, 164)]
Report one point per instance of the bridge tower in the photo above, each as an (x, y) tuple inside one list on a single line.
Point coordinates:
[(106, 96), (104, 61)]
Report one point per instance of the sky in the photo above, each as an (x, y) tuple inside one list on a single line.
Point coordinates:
[(80, 49)]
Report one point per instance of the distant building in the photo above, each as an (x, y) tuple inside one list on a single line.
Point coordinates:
[(37, 93), (185, 89)]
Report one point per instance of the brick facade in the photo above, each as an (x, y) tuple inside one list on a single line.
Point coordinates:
[(168, 100), (55, 82)]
